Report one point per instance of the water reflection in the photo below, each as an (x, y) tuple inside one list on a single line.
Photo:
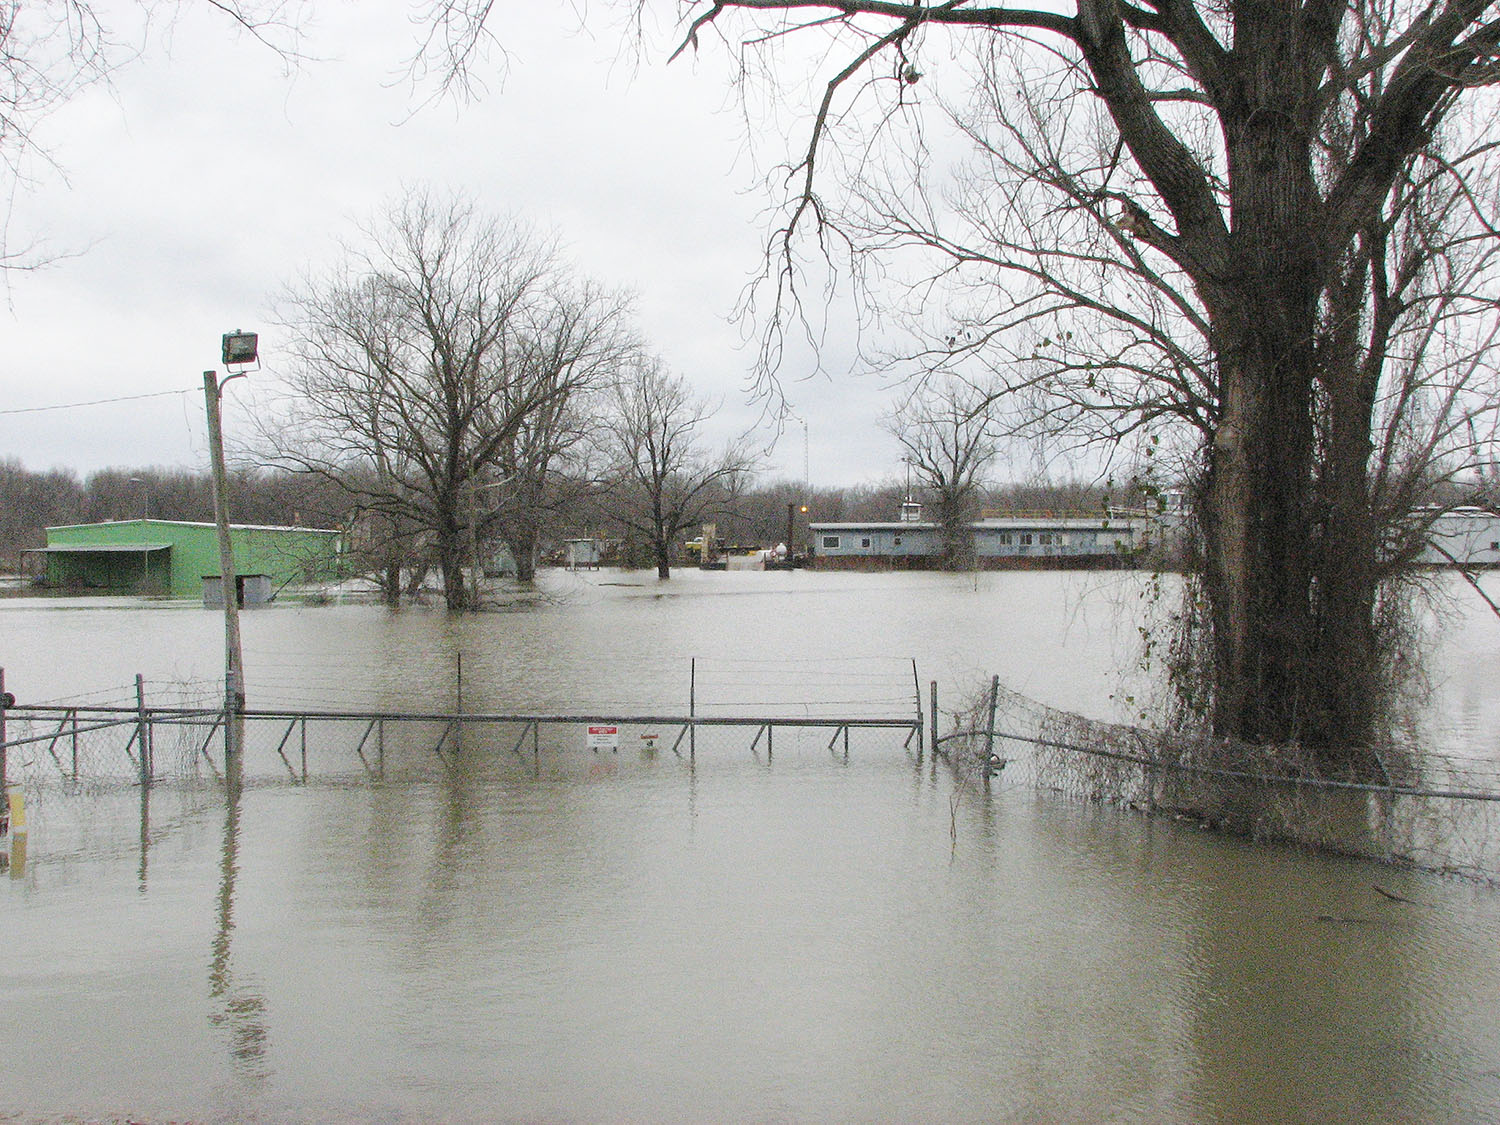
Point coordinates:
[(236, 1008), (145, 837), (1260, 980)]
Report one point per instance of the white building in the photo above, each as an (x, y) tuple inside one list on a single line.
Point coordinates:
[(1467, 536), (1011, 539)]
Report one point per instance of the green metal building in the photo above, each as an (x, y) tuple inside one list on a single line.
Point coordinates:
[(165, 557)]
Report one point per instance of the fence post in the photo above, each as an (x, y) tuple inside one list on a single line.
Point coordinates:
[(989, 730), (932, 692), (143, 727), (692, 708), (916, 684), (2, 734)]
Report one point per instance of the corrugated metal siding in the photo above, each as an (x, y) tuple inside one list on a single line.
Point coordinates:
[(288, 554)]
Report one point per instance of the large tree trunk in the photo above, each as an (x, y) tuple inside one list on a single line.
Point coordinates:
[(1255, 527), (1292, 585), (392, 556), (1289, 550), (1256, 504), (957, 533), (525, 556), (522, 546), (451, 555), (390, 579), (1346, 679)]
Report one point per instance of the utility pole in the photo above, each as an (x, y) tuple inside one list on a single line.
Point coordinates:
[(234, 676), (239, 348)]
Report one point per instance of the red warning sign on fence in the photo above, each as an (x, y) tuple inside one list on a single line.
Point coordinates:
[(604, 738)]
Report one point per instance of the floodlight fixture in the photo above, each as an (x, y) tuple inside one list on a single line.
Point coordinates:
[(240, 348)]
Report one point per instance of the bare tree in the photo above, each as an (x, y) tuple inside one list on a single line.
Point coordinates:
[(582, 343), (420, 360), (1098, 342), (1223, 192), (947, 427), (663, 481)]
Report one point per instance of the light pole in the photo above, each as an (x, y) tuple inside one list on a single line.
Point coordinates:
[(145, 516), (239, 349), (145, 496), (791, 508)]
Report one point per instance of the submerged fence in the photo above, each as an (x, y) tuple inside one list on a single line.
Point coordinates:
[(743, 703), (1435, 811), (1394, 804)]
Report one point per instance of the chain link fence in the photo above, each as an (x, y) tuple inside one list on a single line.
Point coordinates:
[(1392, 804)]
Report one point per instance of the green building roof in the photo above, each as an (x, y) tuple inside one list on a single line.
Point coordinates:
[(172, 558)]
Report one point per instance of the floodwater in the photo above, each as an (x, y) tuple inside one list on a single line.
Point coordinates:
[(640, 935)]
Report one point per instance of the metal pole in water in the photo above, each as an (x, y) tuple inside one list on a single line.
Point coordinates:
[(2, 734), (989, 730), (143, 728), (916, 685), (932, 691)]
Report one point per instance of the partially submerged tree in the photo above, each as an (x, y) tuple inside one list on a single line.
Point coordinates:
[(582, 344), (662, 478), (1227, 197), (421, 360), (948, 429)]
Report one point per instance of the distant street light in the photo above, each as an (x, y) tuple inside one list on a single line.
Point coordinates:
[(145, 496), (145, 515)]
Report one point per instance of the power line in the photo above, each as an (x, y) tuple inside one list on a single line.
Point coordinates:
[(95, 402)]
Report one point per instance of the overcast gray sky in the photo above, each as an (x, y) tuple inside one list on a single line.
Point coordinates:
[(206, 177)]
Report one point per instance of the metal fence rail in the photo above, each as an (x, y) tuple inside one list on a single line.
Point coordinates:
[(101, 744), (104, 746)]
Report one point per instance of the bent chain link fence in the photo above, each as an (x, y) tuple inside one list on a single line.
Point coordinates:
[(1393, 804)]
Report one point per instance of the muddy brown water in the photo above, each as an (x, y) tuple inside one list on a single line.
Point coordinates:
[(638, 935)]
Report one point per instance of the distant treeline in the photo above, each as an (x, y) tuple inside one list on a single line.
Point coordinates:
[(32, 501)]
